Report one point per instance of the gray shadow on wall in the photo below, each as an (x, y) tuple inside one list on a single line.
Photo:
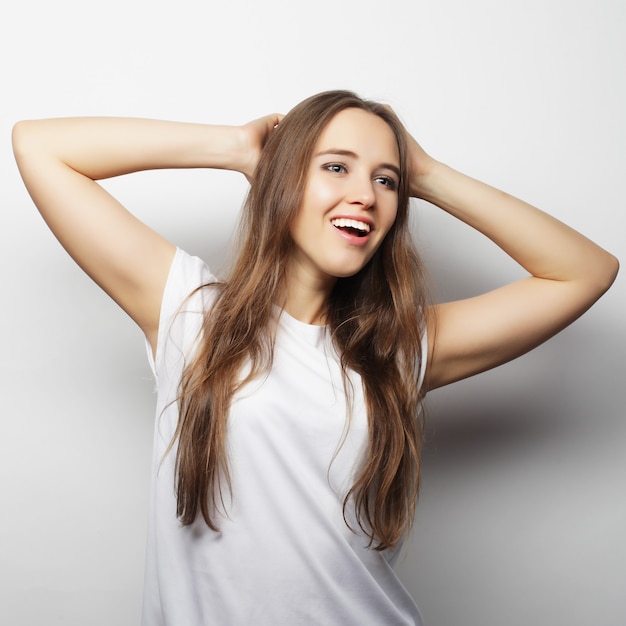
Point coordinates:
[(567, 390)]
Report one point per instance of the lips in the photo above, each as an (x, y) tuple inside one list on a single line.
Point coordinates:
[(351, 226), (354, 231)]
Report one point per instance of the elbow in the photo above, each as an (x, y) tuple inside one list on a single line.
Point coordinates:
[(21, 138), (606, 272), (31, 146), (17, 138), (613, 270)]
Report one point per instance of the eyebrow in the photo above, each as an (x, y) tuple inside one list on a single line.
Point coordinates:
[(354, 155)]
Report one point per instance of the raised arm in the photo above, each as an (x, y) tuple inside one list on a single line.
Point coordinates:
[(568, 273), (60, 161)]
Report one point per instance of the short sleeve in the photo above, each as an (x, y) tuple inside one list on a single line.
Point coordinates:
[(182, 307)]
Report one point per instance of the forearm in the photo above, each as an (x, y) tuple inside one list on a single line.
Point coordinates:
[(104, 147), (541, 244)]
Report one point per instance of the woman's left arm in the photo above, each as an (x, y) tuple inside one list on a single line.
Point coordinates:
[(568, 273)]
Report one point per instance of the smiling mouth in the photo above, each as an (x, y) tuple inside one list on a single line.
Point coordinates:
[(353, 227)]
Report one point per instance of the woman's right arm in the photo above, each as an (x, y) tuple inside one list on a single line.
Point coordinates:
[(60, 161)]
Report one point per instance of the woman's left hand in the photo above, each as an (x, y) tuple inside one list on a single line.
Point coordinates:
[(421, 166)]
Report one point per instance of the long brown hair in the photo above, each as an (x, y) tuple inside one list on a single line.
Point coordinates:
[(373, 317)]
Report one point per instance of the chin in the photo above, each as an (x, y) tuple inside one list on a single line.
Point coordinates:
[(347, 272)]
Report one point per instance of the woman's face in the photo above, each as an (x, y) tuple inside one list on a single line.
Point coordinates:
[(351, 197)]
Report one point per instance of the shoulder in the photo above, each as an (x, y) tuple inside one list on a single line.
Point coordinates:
[(186, 298), (187, 274)]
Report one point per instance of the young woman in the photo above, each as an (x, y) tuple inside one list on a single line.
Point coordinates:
[(287, 441)]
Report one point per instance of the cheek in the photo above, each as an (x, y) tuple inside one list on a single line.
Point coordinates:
[(390, 217), (320, 192), (318, 203)]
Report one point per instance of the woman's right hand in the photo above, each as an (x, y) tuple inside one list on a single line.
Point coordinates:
[(255, 136)]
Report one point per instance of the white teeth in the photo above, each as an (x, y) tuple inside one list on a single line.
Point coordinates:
[(342, 222)]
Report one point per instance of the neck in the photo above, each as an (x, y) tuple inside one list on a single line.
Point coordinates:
[(305, 297)]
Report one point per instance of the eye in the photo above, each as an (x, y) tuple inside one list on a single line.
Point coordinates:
[(387, 181), (336, 168)]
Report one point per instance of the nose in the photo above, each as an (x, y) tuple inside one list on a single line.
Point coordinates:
[(362, 191)]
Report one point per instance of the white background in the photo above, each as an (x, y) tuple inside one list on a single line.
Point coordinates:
[(523, 512)]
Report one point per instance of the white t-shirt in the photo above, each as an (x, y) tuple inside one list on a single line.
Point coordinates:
[(284, 555)]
